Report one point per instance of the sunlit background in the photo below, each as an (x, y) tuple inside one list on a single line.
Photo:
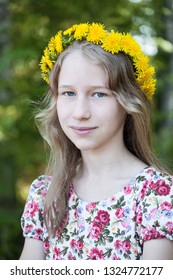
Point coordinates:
[(25, 28)]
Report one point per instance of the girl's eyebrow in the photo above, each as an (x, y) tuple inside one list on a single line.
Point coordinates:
[(64, 86)]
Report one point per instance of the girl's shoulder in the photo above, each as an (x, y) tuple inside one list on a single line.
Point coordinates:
[(32, 220), (40, 186), (152, 173), (152, 180)]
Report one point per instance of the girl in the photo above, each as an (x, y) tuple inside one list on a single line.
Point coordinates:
[(105, 195)]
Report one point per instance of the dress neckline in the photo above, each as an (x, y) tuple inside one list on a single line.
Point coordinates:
[(117, 194)]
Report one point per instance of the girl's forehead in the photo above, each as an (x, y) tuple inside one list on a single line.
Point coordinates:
[(78, 62), (81, 72), (75, 55)]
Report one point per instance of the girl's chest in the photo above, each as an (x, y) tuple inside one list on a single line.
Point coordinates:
[(103, 230)]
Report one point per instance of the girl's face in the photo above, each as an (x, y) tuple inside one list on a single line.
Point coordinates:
[(88, 112)]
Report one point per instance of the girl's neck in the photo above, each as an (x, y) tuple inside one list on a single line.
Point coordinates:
[(114, 163), (101, 177), (103, 173)]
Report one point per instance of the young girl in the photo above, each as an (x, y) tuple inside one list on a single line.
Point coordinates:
[(105, 195)]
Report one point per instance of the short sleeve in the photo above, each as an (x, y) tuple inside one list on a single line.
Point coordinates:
[(154, 215), (32, 221)]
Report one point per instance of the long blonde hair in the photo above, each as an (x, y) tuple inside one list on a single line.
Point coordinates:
[(64, 156)]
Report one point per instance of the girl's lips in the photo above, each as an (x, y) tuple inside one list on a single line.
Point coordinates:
[(82, 130)]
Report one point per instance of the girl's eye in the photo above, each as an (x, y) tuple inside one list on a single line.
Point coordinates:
[(99, 94), (69, 93)]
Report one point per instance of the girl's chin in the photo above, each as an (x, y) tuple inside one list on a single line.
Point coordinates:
[(84, 147)]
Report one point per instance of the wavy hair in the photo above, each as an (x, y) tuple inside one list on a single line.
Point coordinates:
[(65, 157)]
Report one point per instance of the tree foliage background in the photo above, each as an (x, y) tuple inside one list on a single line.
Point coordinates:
[(25, 28)]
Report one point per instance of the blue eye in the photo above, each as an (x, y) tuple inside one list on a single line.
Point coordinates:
[(69, 93), (99, 94)]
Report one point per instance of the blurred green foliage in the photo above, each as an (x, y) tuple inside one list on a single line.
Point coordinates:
[(26, 27)]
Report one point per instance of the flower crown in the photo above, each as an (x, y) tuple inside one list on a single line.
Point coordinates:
[(113, 42)]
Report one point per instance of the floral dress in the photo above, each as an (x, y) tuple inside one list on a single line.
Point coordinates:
[(112, 229)]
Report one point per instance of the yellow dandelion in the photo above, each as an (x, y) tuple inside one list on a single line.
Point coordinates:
[(149, 88), (112, 42), (96, 33), (45, 64), (146, 74), (52, 46), (55, 44), (126, 40), (150, 72), (46, 79), (49, 62), (58, 42), (70, 30), (130, 46), (81, 31), (147, 84), (46, 52), (142, 62)]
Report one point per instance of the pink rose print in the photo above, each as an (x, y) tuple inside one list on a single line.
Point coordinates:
[(160, 187), (76, 244), (104, 230), (126, 245), (90, 206), (46, 246), (166, 206), (28, 228), (144, 189), (96, 229), (80, 245), (70, 256), (73, 243), (151, 233), (118, 244), (139, 218), (169, 226), (96, 254), (150, 171), (43, 192), (39, 184), (57, 254), (127, 189), (32, 208), (103, 217), (39, 231), (119, 213)]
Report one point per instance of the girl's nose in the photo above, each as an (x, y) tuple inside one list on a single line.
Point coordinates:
[(82, 108)]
